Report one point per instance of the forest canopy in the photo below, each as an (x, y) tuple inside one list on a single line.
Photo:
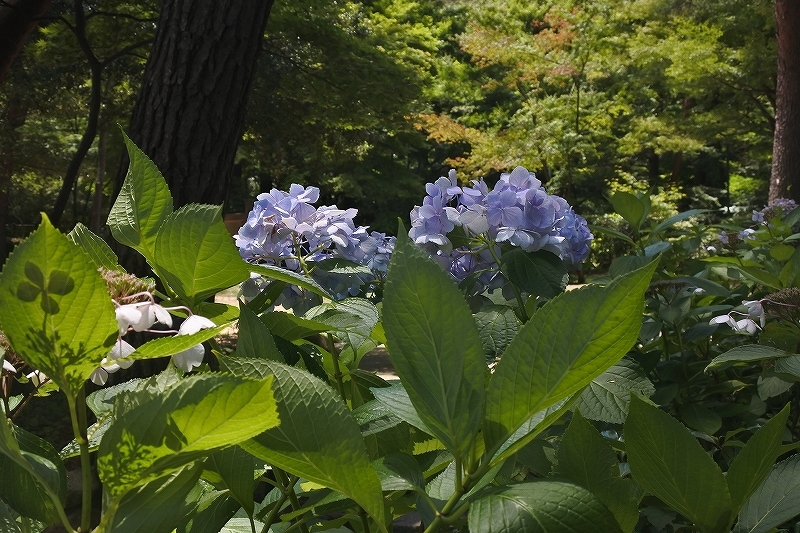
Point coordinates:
[(370, 100)]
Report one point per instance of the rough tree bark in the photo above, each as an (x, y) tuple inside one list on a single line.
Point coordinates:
[(18, 18), (190, 109), (785, 179)]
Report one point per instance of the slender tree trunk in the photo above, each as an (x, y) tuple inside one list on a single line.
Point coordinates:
[(13, 117), (785, 179), (96, 69), (190, 110), (18, 18), (99, 182)]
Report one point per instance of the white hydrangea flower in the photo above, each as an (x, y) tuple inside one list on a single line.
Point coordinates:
[(192, 357), (109, 364), (8, 367)]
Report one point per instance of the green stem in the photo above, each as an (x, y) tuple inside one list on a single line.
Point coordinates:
[(77, 411), (289, 482), (337, 370), (364, 519), (452, 510), (273, 514), (523, 314)]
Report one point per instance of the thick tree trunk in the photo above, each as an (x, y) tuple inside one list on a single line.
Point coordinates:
[(18, 18), (190, 109), (785, 180)]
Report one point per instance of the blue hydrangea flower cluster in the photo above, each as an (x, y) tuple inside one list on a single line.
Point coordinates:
[(779, 207), (517, 211), (284, 229)]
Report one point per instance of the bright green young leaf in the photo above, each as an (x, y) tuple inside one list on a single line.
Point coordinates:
[(568, 342), (160, 505), (236, 468), (199, 414), (608, 395), (671, 221), (290, 327), (434, 346), (781, 252), (586, 459), (540, 507), (175, 344), (292, 278), (318, 439), (756, 459), (33, 480), (630, 207), (667, 460), (195, 255), (775, 501), (539, 273), (55, 308), (101, 253), (143, 204), (746, 355), (254, 340)]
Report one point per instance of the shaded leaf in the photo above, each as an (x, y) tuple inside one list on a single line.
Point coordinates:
[(667, 460), (434, 346), (540, 507)]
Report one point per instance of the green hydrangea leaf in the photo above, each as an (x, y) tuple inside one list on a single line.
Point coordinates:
[(570, 341), (318, 438), (195, 255), (540, 507), (55, 308), (434, 346), (143, 204)]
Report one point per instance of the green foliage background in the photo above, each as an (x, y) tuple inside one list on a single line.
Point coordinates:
[(369, 100)]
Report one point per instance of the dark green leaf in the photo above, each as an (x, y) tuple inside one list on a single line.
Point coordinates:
[(570, 341), (434, 346), (608, 395), (775, 501), (746, 354), (585, 458), (538, 273), (755, 460), (33, 480), (540, 507), (669, 462), (160, 505), (318, 439), (254, 340)]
